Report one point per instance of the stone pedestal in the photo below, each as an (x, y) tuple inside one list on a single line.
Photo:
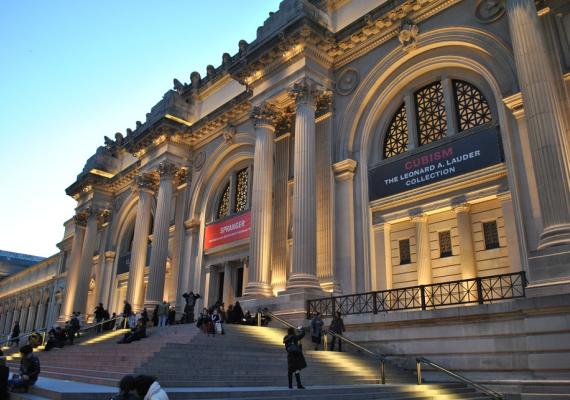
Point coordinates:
[(145, 184), (159, 252)]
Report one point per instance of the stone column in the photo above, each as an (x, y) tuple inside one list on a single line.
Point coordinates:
[(86, 264), (9, 321), (304, 196), (73, 270), (159, 251), (383, 255), (544, 110), (345, 264), (16, 317), (101, 284), (423, 252), (466, 248), (190, 273), (2, 321), (262, 203), (511, 231), (229, 294), (104, 290), (31, 318), (40, 314), (146, 185), (175, 290), (449, 98)]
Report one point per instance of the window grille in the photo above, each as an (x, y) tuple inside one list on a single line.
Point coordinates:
[(396, 141), (445, 249), (472, 107), (431, 114), (491, 235), (241, 192), (224, 206), (405, 257)]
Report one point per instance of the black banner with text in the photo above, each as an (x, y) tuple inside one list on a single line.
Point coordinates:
[(453, 158)]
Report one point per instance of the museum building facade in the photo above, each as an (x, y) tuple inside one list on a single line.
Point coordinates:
[(353, 146)]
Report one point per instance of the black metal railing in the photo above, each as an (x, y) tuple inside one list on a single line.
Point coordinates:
[(489, 392), (467, 291)]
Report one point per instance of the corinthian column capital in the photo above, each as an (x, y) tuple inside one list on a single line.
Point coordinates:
[(265, 115), (305, 91), (418, 218), (80, 218), (462, 208), (104, 216), (167, 170), (146, 181)]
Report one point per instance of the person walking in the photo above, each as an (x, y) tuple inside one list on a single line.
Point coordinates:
[(163, 313), (126, 389), (317, 330), (336, 327), (15, 335), (295, 359)]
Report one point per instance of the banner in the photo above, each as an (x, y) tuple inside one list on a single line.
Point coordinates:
[(227, 231), (451, 159)]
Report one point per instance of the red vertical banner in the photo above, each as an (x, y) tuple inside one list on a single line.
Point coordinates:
[(227, 231)]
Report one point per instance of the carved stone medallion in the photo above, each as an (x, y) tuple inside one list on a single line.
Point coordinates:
[(347, 81), (489, 11), (199, 160)]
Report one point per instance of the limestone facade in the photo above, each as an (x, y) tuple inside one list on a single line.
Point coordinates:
[(353, 146)]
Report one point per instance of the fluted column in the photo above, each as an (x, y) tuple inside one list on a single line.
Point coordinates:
[(513, 242), (39, 315), (345, 263), (16, 318), (175, 290), (423, 253), (104, 287), (228, 295), (101, 284), (73, 270), (8, 322), (31, 318), (262, 203), (2, 321), (545, 115), (146, 186), (89, 245), (159, 251), (190, 273), (303, 274), (466, 248)]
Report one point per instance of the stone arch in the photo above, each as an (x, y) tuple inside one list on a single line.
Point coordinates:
[(462, 48)]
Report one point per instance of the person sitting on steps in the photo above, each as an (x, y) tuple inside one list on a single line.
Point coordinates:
[(29, 370)]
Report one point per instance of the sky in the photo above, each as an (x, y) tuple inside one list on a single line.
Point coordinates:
[(72, 72)]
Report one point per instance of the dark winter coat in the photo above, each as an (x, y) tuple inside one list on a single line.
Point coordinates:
[(295, 359), (30, 365)]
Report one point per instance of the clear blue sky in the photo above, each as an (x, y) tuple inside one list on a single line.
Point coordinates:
[(74, 71)]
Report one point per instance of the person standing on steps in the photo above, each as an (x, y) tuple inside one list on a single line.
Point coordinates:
[(337, 326), (127, 313), (163, 313), (317, 330), (295, 359), (99, 316), (190, 304), (155, 316)]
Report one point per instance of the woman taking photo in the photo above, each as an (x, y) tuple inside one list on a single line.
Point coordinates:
[(295, 359)]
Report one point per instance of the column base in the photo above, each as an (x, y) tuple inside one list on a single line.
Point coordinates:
[(258, 290), (149, 305), (303, 281), (549, 265), (554, 236)]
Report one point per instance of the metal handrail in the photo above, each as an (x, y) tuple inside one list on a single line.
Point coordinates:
[(86, 328), (9, 339), (380, 357), (467, 381)]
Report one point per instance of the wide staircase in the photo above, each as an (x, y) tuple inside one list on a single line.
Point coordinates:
[(247, 363)]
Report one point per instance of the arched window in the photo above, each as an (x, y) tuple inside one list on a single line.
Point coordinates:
[(431, 106), (396, 141), (235, 196)]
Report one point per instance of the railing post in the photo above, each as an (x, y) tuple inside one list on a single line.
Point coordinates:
[(382, 372), (423, 296), (333, 306), (374, 303), (419, 371), (479, 290), (326, 342), (259, 319)]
